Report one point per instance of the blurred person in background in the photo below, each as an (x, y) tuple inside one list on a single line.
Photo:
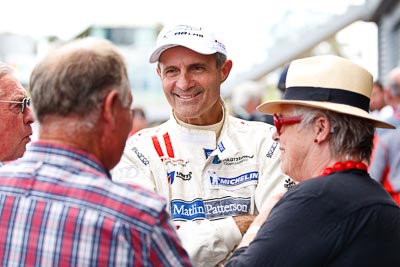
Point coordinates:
[(58, 203), (215, 170), (385, 162), (378, 106), (16, 116), (282, 80), (392, 97), (336, 215), (139, 120), (246, 96)]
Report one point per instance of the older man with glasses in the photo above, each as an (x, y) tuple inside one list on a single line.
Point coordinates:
[(16, 116)]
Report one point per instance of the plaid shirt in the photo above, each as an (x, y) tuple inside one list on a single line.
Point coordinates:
[(59, 207)]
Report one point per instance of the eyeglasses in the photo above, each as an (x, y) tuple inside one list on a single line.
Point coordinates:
[(24, 103), (279, 121)]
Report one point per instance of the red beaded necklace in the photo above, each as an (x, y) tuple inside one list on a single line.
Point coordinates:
[(341, 166)]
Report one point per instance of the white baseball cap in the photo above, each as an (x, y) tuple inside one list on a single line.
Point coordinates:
[(195, 38)]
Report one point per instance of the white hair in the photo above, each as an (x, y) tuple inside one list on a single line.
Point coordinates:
[(4, 70)]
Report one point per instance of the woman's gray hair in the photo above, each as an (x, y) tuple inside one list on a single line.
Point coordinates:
[(350, 136), (75, 78)]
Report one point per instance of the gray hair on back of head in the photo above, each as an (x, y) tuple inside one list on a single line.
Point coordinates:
[(75, 78)]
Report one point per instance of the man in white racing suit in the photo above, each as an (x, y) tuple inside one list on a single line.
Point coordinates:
[(215, 170)]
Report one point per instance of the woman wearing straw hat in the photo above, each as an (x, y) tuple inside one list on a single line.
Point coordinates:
[(335, 215)]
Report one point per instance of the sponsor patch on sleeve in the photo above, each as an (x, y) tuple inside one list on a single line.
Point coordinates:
[(272, 149)]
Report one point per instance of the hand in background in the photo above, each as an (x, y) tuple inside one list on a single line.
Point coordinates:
[(243, 222)]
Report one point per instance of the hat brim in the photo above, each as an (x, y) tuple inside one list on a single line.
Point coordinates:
[(272, 107), (155, 56)]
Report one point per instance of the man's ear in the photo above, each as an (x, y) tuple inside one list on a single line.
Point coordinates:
[(387, 95), (110, 108), (158, 72), (226, 69)]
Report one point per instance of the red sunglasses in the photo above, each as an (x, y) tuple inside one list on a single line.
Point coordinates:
[(280, 121)]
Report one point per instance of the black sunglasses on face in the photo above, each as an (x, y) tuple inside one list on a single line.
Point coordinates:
[(24, 103)]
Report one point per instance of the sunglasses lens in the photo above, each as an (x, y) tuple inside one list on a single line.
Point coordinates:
[(25, 102), (277, 123)]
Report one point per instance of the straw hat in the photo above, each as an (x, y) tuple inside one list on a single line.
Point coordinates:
[(327, 82)]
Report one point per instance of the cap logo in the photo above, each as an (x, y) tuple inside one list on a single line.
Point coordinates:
[(183, 30), (218, 43), (188, 33)]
